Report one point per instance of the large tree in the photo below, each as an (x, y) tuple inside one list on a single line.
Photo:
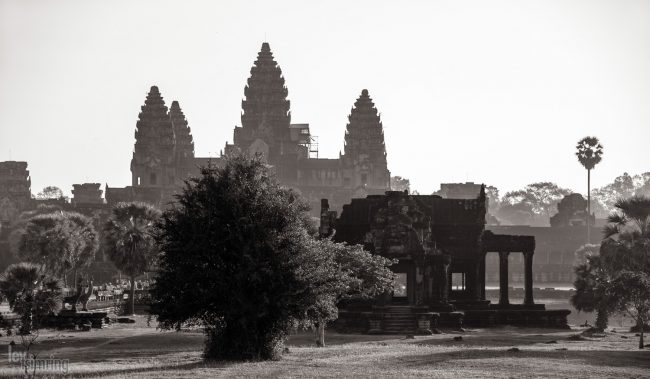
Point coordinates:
[(338, 271), (532, 205), (62, 242), (31, 293), (625, 248), (589, 152), (628, 234), (623, 187), (129, 241), (593, 277), (239, 257), (630, 293), (50, 193)]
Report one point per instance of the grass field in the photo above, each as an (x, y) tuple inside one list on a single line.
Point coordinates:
[(135, 350)]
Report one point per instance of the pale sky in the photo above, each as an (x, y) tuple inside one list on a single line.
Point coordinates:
[(486, 91)]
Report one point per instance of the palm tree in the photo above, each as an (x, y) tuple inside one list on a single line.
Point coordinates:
[(61, 241), (31, 293), (629, 229), (129, 240), (592, 277), (626, 246), (589, 152)]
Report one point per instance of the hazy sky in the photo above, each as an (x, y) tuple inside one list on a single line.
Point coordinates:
[(485, 91)]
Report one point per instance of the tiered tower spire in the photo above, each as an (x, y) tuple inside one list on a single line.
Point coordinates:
[(364, 132), (364, 145), (266, 114), (182, 133), (153, 155)]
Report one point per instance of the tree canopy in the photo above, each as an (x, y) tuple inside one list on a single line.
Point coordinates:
[(129, 240), (60, 241), (239, 256), (31, 293), (617, 278), (50, 193), (532, 205)]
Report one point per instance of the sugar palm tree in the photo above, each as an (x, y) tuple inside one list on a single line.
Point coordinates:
[(589, 152), (31, 293), (629, 229), (129, 241)]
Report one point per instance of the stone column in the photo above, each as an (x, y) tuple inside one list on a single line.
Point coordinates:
[(476, 282), (444, 291), (482, 276), (528, 278), (503, 278)]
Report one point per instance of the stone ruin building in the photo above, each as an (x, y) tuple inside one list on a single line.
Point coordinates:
[(437, 243)]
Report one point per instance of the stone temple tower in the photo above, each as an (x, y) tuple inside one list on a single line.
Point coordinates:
[(153, 156), (184, 148), (266, 117), (364, 156)]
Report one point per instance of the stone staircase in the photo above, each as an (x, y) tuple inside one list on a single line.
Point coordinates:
[(399, 320)]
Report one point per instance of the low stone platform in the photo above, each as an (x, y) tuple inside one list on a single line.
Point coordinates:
[(419, 321)]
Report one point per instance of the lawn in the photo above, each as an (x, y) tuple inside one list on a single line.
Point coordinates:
[(135, 350)]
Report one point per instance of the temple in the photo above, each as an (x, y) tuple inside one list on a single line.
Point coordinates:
[(292, 151), (163, 155), (440, 246)]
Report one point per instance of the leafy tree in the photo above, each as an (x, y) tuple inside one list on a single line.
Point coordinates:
[(397, 183), (591, 284), (85, 242), (129, 241), (240, 257), (630, 293), (31, 293), (589, 152), (532, 205), (544, 197), (338, 271), (62, 242), (50, 193), (605, 197), (625, 248), (628, 232), (580, 256)]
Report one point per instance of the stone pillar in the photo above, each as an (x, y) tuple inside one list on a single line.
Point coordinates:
[(503, 278), (444, 290), (528, 278), (482, 276), (477, 287)]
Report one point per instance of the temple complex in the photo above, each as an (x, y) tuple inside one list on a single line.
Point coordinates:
[(440, 246), (163, 155)]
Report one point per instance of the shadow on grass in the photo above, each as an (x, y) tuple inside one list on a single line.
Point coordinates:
[(609, 358), (489, 339), (149, 370)]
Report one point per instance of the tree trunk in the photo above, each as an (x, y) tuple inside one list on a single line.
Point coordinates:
[(320, 333), (588, 206), (132, 297), (602, 317), (641, 339)]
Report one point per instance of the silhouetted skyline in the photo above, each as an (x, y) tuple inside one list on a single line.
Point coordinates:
[(496, 93)]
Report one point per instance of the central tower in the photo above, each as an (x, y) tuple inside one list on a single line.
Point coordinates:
[(266, 117)]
